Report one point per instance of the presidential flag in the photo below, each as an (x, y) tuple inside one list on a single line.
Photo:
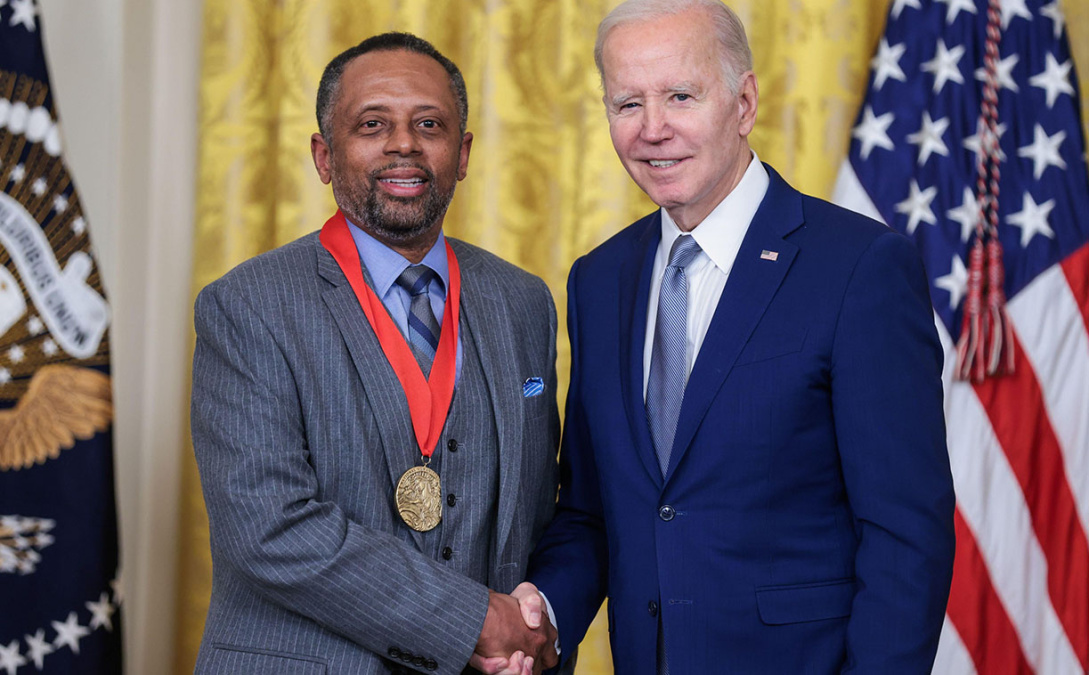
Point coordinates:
[(920, 161), (59, 590)]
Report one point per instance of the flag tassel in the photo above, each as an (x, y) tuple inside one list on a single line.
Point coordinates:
[(971, 342), (992, 333), (1000, 328)]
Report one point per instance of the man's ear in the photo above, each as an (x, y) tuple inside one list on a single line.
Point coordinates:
[(748, 96), (323, 160), (463, 159)]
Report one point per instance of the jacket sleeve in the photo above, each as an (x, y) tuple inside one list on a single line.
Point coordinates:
[(570, 564), (887, 405), (544, 504), (269, 524)]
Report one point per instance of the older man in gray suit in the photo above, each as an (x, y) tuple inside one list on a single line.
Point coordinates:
[(374, 410)]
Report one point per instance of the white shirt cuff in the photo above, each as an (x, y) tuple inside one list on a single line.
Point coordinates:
[(552, 618)]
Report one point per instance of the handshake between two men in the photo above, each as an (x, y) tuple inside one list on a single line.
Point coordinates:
[(517, 638)]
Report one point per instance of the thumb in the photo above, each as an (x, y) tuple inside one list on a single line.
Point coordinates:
[(493, 664), (530, 603)]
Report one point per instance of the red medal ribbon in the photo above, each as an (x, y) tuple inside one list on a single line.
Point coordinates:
[(428, 400)]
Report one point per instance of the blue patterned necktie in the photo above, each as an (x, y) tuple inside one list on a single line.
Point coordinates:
[(423, 329), (668, 360)]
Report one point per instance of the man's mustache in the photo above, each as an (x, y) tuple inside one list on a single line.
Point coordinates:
[(428, 174)]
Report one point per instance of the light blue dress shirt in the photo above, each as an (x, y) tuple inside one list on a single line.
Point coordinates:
[(384, 266)]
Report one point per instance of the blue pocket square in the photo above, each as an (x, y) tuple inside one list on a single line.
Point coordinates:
[(533, 386)]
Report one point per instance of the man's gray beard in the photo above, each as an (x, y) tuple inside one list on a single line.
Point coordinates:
[(374, 211)]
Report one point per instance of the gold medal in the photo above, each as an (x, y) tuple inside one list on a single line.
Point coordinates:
[(419, 498)]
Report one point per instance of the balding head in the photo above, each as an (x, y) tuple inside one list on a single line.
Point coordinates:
[(736, 57)]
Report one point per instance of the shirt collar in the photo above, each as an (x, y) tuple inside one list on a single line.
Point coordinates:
[(384, 264), (721, 232)]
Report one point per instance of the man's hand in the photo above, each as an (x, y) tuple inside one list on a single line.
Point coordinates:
[(531, 604), (508, 645), (517, 664)]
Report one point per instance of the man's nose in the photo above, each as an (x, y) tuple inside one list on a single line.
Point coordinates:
[(403, 140), (656, 124)]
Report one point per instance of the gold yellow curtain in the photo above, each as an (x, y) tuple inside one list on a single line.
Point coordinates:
[(544, 184)]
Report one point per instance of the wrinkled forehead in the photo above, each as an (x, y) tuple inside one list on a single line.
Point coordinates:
[(660, 55)]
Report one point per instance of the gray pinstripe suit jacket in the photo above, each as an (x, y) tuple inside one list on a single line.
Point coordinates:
[(301, 431)]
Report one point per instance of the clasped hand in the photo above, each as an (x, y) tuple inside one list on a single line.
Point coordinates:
[(517, 638)]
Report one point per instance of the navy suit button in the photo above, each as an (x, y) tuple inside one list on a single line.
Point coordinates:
[(394, 653), (451, 499), (431, 665), (452, 445), (447, 553), (652, 608), (667, 513), (419, 661)]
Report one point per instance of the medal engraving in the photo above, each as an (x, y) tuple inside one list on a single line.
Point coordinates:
[(419, 498)]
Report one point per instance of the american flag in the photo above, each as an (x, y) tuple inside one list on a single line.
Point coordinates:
[(1018, 444)]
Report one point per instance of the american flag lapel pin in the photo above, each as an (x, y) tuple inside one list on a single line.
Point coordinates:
[(769, 255)]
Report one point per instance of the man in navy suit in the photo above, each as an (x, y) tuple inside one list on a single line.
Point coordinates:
[(754, 468)]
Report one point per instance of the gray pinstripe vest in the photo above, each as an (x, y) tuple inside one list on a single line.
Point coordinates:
[(467, 462)]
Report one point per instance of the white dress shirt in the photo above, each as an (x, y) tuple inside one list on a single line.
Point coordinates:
[(719, 236)]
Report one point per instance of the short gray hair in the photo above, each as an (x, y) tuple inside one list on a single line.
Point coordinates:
[(729, 31)]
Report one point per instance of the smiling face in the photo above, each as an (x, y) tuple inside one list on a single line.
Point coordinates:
[(396, 152), (676, 126)]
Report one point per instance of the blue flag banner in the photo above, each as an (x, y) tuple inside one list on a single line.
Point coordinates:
[(59, 588), (969, 142)]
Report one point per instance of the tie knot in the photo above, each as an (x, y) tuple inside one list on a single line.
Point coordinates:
[(415, 279), (684, 251)]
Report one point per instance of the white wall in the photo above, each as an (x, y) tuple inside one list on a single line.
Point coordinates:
[(125, 76)]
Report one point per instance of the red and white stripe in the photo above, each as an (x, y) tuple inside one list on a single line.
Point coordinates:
[(1019, 451)]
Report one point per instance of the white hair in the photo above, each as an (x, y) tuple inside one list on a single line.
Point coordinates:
[(735, 55)]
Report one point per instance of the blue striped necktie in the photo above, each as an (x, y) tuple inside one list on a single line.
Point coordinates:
[(423, 329), (668, 359), (669, 371)]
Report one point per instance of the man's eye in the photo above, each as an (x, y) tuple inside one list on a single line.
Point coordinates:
[(371, 124), (429, 124), (683, 97), (629, 106)]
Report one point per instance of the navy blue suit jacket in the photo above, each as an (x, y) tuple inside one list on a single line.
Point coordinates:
[(805, 524)]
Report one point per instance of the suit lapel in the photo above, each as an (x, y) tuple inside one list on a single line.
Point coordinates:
[(381, 387), (749, 290), (488, 316), (634, 294)]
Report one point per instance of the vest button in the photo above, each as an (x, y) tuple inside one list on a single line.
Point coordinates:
[(447, 553), (667, 513), (452, 445), (652, 608), (451, 499)]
